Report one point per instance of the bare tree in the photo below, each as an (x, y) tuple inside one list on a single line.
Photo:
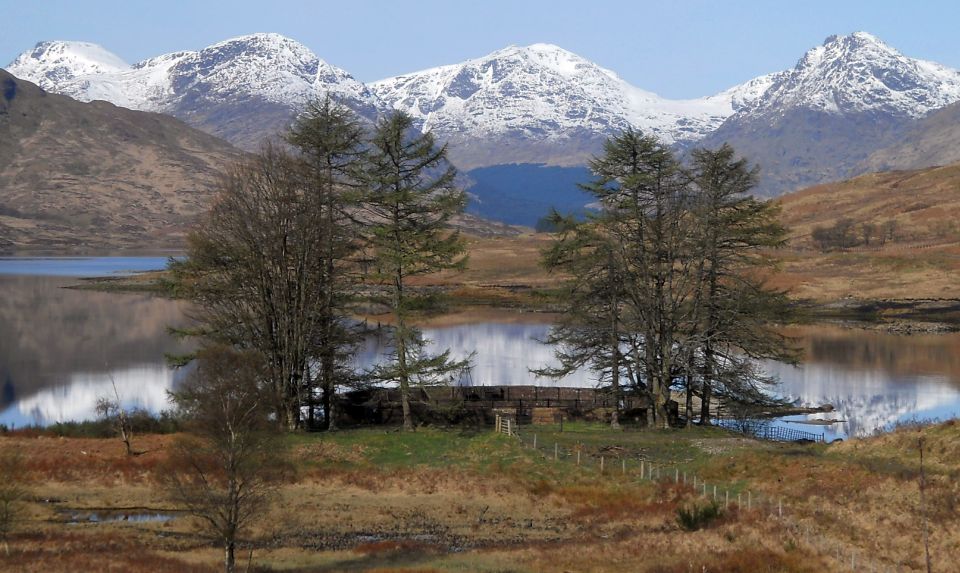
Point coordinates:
[(228, 468), (112, 410), (252, 269)]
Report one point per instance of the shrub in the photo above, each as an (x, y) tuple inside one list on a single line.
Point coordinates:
[(698, 516)]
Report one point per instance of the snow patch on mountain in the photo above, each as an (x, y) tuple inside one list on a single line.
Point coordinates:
[(50, 64), (545, 91), (267, 66), (859, 73)]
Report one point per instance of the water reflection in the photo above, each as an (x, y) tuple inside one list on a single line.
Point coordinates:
[(505, 352), (79, 266), (873, 379), (59, 349), (143, 387)]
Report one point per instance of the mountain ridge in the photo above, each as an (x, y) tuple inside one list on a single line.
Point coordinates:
[(539, 104), (844, 100)]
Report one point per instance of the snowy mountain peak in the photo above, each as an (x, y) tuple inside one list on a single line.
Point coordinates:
[(50, 63), (859, 73), (243, 73), (549, 57), (542, 92)]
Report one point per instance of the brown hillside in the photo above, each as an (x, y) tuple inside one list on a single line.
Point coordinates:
[(922, 261), (93, 176), (925, 204)]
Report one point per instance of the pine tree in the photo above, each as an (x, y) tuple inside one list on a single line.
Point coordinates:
[(330, 140), (667, 277), (642, 191), (589, 331), (734, 307), (407, 208)]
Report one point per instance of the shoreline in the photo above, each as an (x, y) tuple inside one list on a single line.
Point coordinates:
[(895, 316)]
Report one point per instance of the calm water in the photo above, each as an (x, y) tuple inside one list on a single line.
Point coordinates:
[(61, 349), (79, 266)]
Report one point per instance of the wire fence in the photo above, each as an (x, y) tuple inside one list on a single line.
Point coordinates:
[(767, 431), (797, 528)]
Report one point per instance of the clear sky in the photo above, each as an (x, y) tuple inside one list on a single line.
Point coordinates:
[(677, 48)]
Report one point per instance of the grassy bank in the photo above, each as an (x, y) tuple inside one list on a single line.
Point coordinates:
[(469, 500)]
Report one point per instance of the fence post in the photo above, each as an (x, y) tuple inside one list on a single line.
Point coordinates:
[(714, 492), (601, 465), (727, 501), (623, 462), (578, 457), (676, 476), (534, 441), (642, 475), (509, 430)]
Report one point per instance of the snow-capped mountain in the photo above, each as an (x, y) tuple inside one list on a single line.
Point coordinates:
[(533, 97), (859, 73), (532, 104), (53, 64), (842, 101), (242, 89)]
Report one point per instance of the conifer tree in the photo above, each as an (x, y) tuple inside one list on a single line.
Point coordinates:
[(642, 191), (331, 144), (589, 331), (407, 208), (734, 308), (667, 277)]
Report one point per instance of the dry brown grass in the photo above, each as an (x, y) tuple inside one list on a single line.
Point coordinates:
[(348, 516)]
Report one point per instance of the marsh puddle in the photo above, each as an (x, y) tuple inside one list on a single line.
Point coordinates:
[(76, 517)]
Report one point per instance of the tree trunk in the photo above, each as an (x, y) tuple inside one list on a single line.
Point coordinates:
[(329, 393), (332, 410), (705, 404), (688, 405), (706, 393), (615, 364), (404, 376), (229, 564)]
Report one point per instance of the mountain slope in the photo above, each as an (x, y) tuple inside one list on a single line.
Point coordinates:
[(543, 104), (844, 100), (244, 89), (924, 205), (917, 257), (933, 140), (93, 175)]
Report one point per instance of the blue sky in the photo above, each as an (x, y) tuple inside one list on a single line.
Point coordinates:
[(675, 48)]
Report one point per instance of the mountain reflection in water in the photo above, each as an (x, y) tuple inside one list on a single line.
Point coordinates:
[(61, 349)]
